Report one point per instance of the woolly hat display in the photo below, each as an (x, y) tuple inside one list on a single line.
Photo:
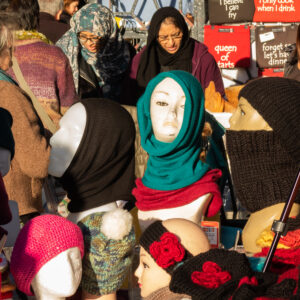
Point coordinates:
[(264, 164), (277, 101), (41, 239), (169, 161), (6, 136), (164, 247), (225, 274), (102, 169), (109, 239)]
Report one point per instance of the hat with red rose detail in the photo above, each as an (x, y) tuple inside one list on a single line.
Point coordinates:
[(164, 247), (225, 274)]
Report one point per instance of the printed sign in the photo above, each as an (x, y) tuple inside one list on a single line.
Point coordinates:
[(230, 45), (230, 11), (270, 52), (271, 72), (277, 11)]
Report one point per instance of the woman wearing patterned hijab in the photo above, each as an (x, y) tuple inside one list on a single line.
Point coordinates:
[(98, 55)]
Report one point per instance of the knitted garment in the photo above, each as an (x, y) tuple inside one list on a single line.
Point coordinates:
[(226, 274), (6, 137), (164, 247), (47, 72), (31, 35), (263, 172), (277, 101), (174, 165), (30, 164), (112, 60), (102, 168), (150, 199), (106, 260), (166, 294), (41, 239)]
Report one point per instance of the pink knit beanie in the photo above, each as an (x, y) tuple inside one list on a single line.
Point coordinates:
[(41, 239)]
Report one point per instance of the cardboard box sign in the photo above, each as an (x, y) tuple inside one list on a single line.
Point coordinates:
[(271, 72), (271, 42), (277, 11), (230, 11), (230, 45)]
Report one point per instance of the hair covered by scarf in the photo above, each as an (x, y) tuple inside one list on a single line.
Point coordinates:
[(112, 60)]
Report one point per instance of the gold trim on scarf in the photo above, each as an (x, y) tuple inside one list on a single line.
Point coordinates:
[(31, 35)]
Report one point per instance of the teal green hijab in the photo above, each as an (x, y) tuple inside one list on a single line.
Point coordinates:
[(174, 165)]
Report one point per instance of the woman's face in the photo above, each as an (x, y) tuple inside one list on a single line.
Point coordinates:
[(169, 37), (5, 58), (72, 8), (90, 41), (167, 110)]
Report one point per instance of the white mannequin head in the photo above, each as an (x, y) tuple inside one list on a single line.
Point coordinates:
[(167, 110), (59, 277), (64, 143), (5, 157)]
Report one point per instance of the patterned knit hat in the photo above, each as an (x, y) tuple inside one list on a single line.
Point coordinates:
[(278, 101), (6, 136), (109, 240), (41, 239), (164, 247), (222, 274)]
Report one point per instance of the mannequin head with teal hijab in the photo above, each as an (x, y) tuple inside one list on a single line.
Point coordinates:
[(174, 164)]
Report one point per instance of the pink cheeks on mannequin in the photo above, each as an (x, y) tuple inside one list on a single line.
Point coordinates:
[(150, 276), (247, 118), (167, 110)]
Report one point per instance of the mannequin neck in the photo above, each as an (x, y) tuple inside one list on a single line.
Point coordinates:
[(193, 211), (261, 220), (76, 217)]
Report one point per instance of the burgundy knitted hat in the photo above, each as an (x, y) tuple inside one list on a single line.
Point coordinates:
[(41, 239)]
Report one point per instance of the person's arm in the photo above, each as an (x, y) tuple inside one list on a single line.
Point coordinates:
[(31, 147)]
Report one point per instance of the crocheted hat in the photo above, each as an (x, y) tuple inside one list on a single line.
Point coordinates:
[(222, 274), (277, 101), (41, 239), (164, 247), (109, 239), (6, 136)]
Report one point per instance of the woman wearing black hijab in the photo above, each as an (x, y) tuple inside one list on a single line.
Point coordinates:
[(169, 47)]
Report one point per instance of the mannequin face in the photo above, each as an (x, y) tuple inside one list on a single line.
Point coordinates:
[(247, 118), (151, 277), (64, 143), (167, 110), (60, 276), (5, 157), (169, 37)]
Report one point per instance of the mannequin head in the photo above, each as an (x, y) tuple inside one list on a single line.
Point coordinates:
[(94, 151), (247, 118), (64, 143), (264, 152), (167, 110), (66, 280), (186, 240), (46, 243), (7, 144)]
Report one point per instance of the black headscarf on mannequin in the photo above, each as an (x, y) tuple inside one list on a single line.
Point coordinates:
[(154, 56), (102, 170)]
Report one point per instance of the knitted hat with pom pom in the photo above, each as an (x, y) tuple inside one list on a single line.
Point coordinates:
[(109, 240), (41, 239)]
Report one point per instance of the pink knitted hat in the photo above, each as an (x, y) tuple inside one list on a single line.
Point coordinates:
[(41, 239)]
